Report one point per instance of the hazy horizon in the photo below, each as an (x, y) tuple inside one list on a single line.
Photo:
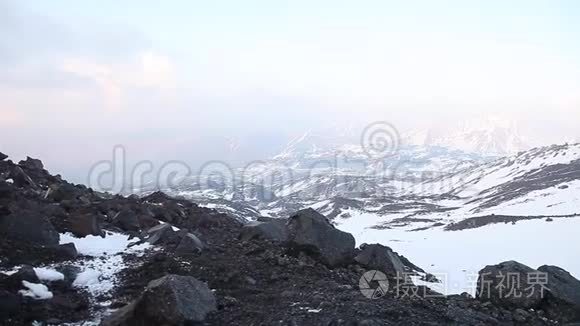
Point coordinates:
[(192, 80)]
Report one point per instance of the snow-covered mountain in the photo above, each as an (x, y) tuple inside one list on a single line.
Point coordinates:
[(419, 187), (314, 168), (490, 136)]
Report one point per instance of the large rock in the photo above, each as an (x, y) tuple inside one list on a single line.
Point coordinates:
[(29, 226), (563, 296), (310, 232), (170, 300), (275, 230), (3, 156), (381, 258), (511, 285)]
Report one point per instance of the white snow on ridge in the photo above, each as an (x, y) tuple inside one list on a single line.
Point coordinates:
[(554, 201), (474, 180), (457, 256)]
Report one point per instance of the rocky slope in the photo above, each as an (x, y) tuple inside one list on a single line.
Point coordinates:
[(70, 255)]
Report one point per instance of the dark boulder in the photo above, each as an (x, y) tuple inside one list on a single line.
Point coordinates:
[(25, 273), (67, 251), (162, 233), (64, 191), (3, 156), (310, 232), (563, 294), (275, 230), (82, 225), (381, 258), (32, 164), (510, 284), (29, 226), (127, 220), (170, 300)]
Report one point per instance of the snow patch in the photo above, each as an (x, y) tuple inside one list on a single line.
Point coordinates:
[(47, 274), (96, 246), (99, 274), (456, 257), (36, 291)]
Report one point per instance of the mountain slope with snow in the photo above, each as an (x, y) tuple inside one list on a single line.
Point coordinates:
[(490, 136)]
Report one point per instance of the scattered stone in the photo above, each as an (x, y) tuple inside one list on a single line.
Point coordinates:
[(67, 250)]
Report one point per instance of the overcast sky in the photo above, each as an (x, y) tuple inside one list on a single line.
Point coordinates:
[(192, 80)]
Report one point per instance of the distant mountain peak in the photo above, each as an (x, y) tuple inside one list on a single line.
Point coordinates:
[(491, 135)]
